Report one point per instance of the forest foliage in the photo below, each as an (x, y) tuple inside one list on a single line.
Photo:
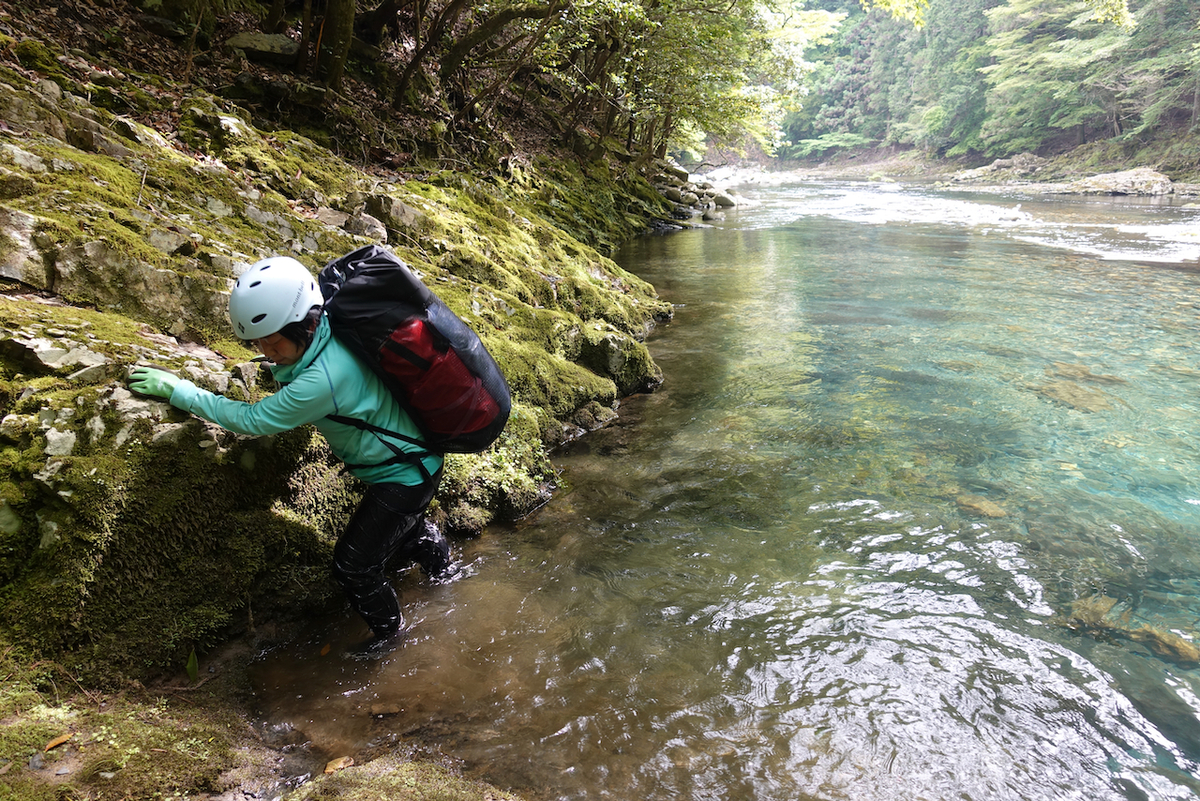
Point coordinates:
[(794, 78), (999, 77), (623, 77)]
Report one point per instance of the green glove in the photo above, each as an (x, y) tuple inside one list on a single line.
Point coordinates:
[(148, 381)]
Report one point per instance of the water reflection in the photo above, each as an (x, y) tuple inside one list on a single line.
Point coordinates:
[(914, 516)]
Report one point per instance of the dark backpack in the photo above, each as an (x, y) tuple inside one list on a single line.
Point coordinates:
[(428, 358)]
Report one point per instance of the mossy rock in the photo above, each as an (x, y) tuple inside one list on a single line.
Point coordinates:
[(35, 55), (397, 780)]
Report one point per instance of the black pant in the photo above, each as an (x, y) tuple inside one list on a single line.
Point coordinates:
[(386, 521)]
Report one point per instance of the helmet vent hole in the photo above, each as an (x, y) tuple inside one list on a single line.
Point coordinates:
[(258, 318), (255, 283)]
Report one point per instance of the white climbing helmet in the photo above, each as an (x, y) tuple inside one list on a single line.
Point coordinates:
[(271, 294)]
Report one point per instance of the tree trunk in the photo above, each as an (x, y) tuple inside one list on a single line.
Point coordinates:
[(576, 108), (495, 88), (383, 18), (441, 23), (333, 46), (489, 29), (418, 13), (305, 35), (274, 17), (668, 128)]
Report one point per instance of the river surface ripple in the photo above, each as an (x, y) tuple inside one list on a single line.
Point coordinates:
[(915, 514)]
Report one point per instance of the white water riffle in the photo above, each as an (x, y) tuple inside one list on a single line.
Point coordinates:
[(1155, 230)]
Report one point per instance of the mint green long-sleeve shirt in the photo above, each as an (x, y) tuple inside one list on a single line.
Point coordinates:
[(328, 379)]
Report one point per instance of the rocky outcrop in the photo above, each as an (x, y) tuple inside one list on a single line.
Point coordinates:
[(1138, 181), (265, 48), (693, 199), (1022, 165), (1111, 617), (1019, 170)]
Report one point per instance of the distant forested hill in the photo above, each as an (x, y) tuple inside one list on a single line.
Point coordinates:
[(998, 77)]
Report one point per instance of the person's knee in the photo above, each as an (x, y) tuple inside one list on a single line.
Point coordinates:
[(352, 569)]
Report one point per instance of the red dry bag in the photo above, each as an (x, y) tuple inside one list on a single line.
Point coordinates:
[(429, 359)]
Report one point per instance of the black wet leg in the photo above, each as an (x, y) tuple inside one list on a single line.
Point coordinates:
[(386, 519), (430, 549)]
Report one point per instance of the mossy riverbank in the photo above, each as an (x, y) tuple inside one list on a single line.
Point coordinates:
[(133, 537)]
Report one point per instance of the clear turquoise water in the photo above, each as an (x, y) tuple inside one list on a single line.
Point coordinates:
[(916, 514)]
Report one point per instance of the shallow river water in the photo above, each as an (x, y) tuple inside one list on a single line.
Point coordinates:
[(915, 514)]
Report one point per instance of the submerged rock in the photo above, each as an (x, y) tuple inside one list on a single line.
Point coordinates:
[(1101, 612), (1085, 399), (977, 504), (1080, 372)]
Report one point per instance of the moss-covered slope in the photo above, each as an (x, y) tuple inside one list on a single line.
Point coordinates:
[(130, 533)]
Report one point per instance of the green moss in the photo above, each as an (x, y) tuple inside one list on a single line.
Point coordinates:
[(156, 535), (121, 572), (542, 379), (107, 748), (594, 205), (35, 55), (292, 164), (505, 482), (112, 565), (160, 568), (7, 246), (397, 780)]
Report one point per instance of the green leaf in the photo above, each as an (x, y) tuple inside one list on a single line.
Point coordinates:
[(193, 666)]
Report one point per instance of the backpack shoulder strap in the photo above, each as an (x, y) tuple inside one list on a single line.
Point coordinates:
[(414, 457), (363, 425)]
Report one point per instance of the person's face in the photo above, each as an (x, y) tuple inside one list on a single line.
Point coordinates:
[(278, 349)]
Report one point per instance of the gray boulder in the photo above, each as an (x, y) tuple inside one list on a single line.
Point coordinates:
[(265, 48), (725, 200), (674, 170), (21, 259), (1138, 181), (394, 214)]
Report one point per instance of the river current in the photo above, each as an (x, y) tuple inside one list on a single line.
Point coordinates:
[(914, 514)]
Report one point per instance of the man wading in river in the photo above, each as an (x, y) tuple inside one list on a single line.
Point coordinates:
[(276, 307)]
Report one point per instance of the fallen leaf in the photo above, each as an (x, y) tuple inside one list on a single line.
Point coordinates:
[(57, 741), (339, 764), (326, 649)]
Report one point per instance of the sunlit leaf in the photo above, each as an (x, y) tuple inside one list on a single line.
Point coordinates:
[(193, 666)]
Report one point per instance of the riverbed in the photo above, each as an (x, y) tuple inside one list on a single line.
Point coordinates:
[(915, 514)]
